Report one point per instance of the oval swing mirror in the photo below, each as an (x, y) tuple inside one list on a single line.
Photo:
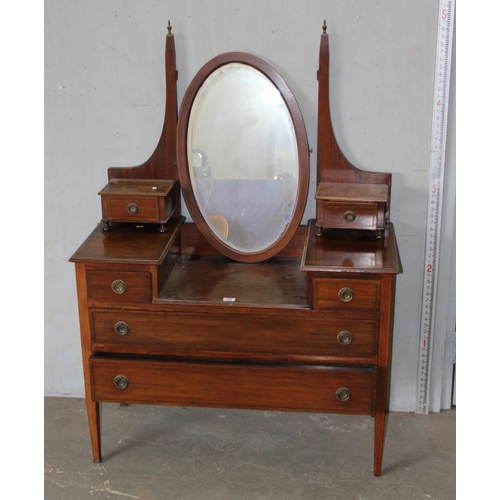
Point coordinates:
[(243, 157)]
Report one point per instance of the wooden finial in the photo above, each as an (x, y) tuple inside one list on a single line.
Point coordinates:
[(324, 27), (169, 28)]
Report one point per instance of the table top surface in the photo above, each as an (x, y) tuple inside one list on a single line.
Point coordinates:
[(335, 251), (341, 250)]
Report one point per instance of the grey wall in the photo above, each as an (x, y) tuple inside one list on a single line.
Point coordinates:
[(104, 105)]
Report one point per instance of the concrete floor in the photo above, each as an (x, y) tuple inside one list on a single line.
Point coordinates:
[(160, 453)]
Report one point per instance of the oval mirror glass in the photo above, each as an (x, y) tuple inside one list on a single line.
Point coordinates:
[(242, 144)]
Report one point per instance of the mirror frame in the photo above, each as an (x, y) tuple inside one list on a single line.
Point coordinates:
[(302, 150)]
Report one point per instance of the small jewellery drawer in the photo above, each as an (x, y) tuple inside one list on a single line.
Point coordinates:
[(137, 200), (132, 209), (246, 336), (119, 286), (346, 294), (346, 215), (346, 390), (343, 205)]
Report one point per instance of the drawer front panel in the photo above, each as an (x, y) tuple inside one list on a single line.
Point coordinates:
[(122, 287), (147, 332), (339, 215), (346, 294), (235, 386), (130, 208)]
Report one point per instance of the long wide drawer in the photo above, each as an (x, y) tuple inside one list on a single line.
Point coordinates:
[(166, 333), (346, 390)]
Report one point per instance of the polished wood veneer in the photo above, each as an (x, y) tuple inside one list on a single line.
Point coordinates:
[(301, 337), (215, 279), (166, 318), (351, 206), (287, 341), (271, 387), (347, 196), (138, 201)]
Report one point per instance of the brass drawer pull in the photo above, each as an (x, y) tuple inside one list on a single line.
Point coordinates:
[(132, 208), (349, 216), (121, 328), (119, 286), (346, 294), (121, 381), (343, 337), (343, 394)]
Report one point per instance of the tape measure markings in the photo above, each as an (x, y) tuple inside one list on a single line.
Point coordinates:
[(433, 222)]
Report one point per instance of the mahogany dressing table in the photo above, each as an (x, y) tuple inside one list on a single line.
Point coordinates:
[(244, 307)]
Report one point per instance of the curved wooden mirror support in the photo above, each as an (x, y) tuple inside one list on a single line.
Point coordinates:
[(346, 197), (149, 193), (243, 157), (162, 163)]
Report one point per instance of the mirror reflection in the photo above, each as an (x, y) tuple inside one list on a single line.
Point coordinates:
[(242, 157)]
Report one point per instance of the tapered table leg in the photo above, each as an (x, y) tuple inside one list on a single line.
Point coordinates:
[(386, 300), (92, 406), (93, 412), (380, 417)]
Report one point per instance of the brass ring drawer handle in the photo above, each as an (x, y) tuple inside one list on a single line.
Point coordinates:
[(349, 216), (132, 208), (343, 394), (344, 337), (121, 381), (121, 328), (346, 294), (119, 286)]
